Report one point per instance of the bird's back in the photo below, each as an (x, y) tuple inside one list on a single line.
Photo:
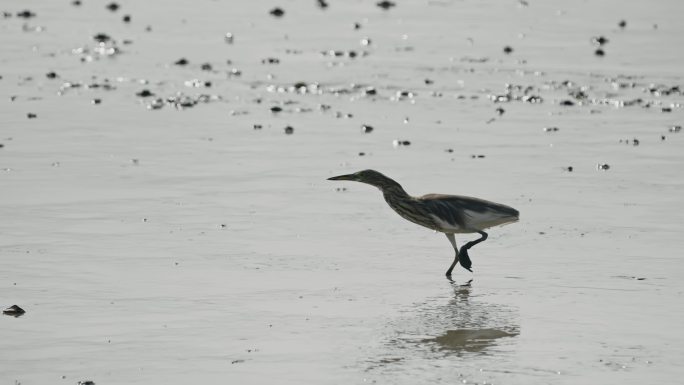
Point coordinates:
[(463, 214)]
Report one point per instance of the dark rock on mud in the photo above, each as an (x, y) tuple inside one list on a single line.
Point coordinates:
[(385, 4), (26, 14), (277, 12), (102, 38), (14, 310), (144, 93), (599, 40)]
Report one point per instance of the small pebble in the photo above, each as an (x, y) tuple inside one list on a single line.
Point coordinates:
[(51, 75), (666, 109), (500, 111), (357, 25), (508, 49), (568, 169), (289, 130), (366, 129), (14, 310), (96, 101), (362, 153), (126, 18), (31, 115), (449, 150), (599, 52), (397, 143), (257, 126), (102, 38), (480, 156), (86, 382), (181, 62), (113, 7), (26, 14), (602, 166), (277, 12), (76, 3), (385, 4), (228, 38), (276, 109), (156, 104), (567, 103), (322, 4), (144, 93), (674, 129), (599, 40), (206, 67), (622, 24), (551, 129)]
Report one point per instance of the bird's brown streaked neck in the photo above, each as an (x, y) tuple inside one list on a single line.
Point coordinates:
[(394, 192)]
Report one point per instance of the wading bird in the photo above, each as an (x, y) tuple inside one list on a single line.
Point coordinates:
[(449, 214)]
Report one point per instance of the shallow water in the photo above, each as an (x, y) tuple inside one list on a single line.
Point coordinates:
[(179, 245)]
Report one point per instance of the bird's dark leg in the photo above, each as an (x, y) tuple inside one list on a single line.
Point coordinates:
[(463, 256), (452, 239)]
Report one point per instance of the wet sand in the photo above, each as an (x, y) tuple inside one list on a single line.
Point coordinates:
[(186, 237)]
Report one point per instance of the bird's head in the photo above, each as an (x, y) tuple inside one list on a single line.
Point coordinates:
[(370, 177)]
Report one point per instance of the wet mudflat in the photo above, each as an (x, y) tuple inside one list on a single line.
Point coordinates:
[(167, 218)]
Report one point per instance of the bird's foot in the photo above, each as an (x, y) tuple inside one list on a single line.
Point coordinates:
[(464, 259)]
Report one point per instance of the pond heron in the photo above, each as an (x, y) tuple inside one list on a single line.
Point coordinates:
[(448, 214)]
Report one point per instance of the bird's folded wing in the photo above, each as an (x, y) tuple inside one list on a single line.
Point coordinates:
[(467, 213)]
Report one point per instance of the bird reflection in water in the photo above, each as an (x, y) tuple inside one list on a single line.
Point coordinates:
[(463, 325), (466, 334)]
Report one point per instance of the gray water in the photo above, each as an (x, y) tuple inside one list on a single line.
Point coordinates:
[(180, 245)]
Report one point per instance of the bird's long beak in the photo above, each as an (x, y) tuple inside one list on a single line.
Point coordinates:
[(343, 177)]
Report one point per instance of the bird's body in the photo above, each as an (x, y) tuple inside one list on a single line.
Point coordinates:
[(449, 214)]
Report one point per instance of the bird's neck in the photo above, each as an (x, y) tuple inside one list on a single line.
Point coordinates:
[(394, 193)]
